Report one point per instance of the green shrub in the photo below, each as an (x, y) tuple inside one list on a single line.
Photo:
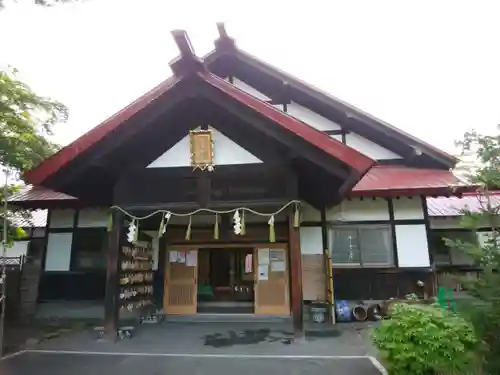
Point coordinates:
[(426, 339)]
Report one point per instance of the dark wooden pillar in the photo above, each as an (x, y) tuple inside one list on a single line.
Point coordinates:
[(295, 277), (111, 300)]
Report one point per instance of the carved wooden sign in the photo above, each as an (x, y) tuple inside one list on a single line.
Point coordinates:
[(202, 149)]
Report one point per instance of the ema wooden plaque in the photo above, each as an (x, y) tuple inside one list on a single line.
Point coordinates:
[(202, 150)]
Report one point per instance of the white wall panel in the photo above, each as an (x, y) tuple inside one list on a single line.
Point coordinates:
[(369, 148), (408, 209), (317, 121), (93, 217), (413, 250), (249, 89), (58, 252), (226, 152), (338, 137), (309, 213), (311, 240), (61, 218), (359, 210)]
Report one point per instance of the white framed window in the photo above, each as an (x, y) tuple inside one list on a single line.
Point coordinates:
[(361, 246)]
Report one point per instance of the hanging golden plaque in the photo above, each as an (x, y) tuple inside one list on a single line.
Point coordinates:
[(202, 149)]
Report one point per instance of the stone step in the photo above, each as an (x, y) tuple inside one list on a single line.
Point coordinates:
[(238, 318)]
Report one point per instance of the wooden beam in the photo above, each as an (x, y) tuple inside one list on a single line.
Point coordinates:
[(111, 300), (295, 277)]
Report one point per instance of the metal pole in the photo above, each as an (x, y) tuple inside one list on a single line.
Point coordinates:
[(4, 267)]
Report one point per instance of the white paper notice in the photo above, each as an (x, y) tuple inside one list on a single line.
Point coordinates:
[(263, 272), (277, 266), (191, 258), (263, 256), (181, 257), (172, 256)]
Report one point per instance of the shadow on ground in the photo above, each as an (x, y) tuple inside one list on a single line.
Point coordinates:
[(250, 336)]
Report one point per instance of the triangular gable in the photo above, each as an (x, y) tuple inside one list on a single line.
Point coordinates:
[(83, 159), (226, 152)]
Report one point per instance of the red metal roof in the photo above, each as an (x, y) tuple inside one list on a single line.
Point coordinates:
[(225, 46), (395, 180), (38, 193), (351, 157), (49, 166), (337, 149), (455, 206)]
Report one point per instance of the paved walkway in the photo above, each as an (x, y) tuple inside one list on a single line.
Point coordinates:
[(205, 349)]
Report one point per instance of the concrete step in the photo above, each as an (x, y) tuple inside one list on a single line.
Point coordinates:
[(238, 318)]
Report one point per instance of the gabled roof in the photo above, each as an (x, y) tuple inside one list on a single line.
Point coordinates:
[(361, 121), (189, 68)]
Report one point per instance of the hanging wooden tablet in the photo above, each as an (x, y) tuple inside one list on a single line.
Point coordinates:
[(202, 150)]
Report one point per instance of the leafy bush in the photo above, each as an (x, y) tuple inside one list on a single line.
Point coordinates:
[(426, 339)]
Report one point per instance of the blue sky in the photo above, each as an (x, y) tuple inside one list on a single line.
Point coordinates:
[(430, 68)]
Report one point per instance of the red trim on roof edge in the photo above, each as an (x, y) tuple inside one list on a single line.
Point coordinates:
[(49, 166), (338, 150), (353, 158)]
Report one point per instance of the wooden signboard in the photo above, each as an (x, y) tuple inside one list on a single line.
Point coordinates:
[(202, 152)]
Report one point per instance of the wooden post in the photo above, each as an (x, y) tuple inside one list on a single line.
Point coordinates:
[(111, 301), (295, 277)]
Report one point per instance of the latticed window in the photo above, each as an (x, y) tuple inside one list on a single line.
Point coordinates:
[(361, 246)]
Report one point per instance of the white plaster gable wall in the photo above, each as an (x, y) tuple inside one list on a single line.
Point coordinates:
[(369, 148), (408, 208), (321, 123), (359, 210), (226, 152), (338, 137), (248, 89), (315, 120)]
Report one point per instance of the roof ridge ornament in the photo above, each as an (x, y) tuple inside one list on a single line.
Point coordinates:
[(224, 42), (187, 62)]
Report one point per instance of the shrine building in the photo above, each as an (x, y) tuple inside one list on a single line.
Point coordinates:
[(233, 187)]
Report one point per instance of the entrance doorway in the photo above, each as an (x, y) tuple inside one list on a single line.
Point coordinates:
[(225, 281), (229, 279)]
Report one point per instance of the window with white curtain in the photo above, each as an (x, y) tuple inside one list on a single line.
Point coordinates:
[(361, 246)]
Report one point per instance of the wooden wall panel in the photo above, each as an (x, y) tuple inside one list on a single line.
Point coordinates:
[(254, 233), (313, 277)]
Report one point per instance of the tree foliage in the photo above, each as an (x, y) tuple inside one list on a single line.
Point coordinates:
[(484, 308), (26, 120)]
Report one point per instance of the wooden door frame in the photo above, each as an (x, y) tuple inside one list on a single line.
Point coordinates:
[(166, 276), (253, 245), (282, 246)]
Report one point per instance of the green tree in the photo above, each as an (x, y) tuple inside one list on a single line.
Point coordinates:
[(484, 308), (26, 122)]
